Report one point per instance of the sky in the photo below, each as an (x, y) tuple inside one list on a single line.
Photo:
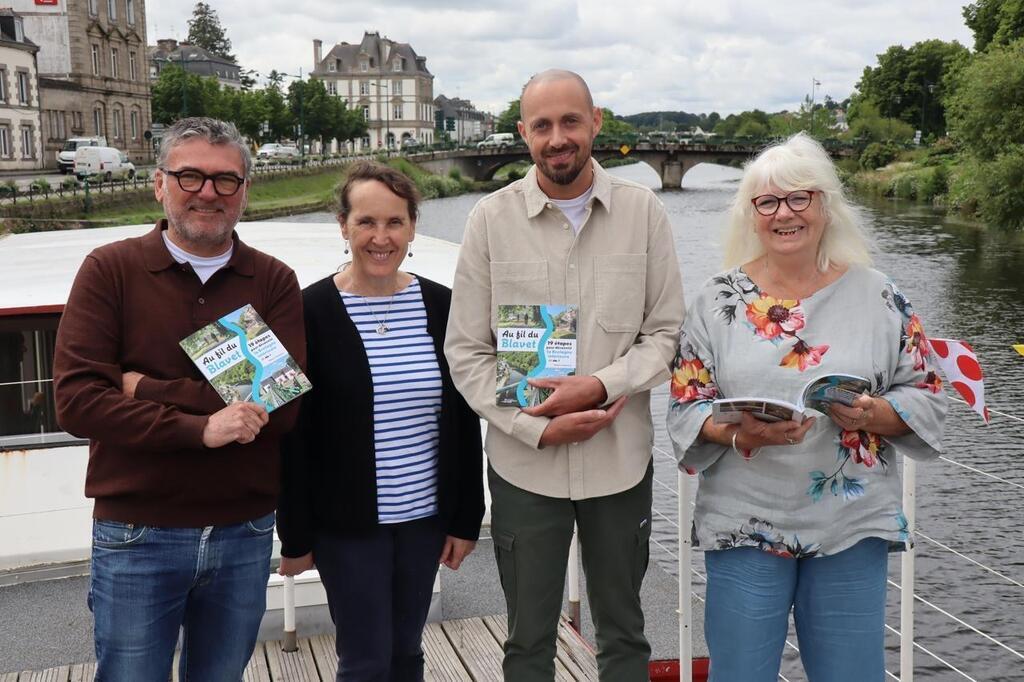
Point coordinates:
[(642, 55)]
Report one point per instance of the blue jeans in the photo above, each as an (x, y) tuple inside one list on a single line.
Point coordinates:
[(148, 583), (838, 604)]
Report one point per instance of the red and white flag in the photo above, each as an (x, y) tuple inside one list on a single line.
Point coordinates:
[(958, 362)]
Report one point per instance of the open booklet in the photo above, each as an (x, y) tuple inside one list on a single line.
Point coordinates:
[(817, 395), (243, 360), (534, 341)]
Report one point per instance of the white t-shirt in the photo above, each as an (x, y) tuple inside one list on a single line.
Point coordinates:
[(575, 209), (204, 267)]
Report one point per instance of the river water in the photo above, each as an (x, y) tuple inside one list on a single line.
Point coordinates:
[(964, 283)]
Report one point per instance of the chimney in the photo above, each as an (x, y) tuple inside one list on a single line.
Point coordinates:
[(167, 44), (317, 49)]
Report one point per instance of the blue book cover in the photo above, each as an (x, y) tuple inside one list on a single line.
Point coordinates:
[(533, 341), (244, 361)]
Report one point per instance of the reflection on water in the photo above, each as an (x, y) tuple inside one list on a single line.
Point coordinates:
[(965, 283)]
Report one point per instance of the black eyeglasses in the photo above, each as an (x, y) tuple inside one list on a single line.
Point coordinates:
[(768, 204), (224, 184)]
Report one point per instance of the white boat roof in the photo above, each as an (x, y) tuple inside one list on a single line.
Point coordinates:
[(37, 269)]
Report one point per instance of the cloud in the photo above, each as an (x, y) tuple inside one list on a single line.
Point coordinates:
[(639, 56)]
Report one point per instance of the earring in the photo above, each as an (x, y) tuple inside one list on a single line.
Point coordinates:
[(409, 253), (346, 246)]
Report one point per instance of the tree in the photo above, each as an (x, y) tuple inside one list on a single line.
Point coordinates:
[(508, 119), (614, 126), (995, 22), (911, 84), (177, 94), (986, 112), (205, 31)]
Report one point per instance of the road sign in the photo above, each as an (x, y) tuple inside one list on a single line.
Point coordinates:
[(625, 149)]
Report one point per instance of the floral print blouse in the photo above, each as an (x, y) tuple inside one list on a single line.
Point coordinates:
[(837, 487)]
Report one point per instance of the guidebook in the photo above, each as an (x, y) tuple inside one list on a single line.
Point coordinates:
[(818, 394), (534, 341), (243, 360)]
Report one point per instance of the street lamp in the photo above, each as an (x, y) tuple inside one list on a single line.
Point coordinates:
[(387, 113), (926, 87)]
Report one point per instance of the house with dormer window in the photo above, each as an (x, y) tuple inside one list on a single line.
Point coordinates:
[(387, 81)]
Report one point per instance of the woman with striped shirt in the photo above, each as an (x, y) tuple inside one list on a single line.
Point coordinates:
[(382, 476)]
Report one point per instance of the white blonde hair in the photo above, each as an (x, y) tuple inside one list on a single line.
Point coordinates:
[(798, 163)]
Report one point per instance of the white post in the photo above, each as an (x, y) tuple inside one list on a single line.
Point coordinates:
[(685, 516), (574, 580), (907, 575), (290, 640)]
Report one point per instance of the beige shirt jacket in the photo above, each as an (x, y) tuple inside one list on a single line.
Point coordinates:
[(621, 271)]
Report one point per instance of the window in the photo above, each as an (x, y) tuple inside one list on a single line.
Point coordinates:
[(133, 120), (5, 141), (332, 66), (97, 120), (22, 87), (398, 64), (365, 142), (27, 147), (396, 112), (26, 393), (129, 11), (76, 120), (118, 123), (95, 60), (364, 65), (112, 10), (153, 71), (132, 73), (19, 30), (396, 87), (94, 7), (366, 112), (114, 68), (364, 87), (332, 88), (3, 85)]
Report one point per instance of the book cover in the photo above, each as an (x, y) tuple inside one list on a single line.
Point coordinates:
[(816, 395), (534, 341), (244, 361)]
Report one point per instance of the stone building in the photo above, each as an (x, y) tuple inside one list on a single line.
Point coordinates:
[(20, 147), (193, 59), (461, 119), (388, 81), (93, 77)]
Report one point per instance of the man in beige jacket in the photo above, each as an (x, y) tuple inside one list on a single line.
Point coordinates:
[(571, 234)]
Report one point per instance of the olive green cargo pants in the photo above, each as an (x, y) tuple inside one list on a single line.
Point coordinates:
[(531, 544)]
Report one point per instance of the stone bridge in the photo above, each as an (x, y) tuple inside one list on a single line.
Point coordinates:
[(671, 161)]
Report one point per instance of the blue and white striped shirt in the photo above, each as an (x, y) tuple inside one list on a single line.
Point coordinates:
[(406, 400)]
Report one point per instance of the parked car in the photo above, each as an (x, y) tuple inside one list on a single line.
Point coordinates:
[(497, 141), (274, 151), (411, 143), (104, 163), (66, 155)]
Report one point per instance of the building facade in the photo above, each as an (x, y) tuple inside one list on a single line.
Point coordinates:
[(20, 141), (193, 59), (93, 77), (462, 121), (388, 81)]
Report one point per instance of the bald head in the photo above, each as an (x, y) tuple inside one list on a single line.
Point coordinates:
[(551, 76)]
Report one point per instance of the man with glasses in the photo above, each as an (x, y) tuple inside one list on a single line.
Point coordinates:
[(184, 487)]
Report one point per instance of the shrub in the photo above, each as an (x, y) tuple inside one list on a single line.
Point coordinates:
[(878, 154), (41, 185), (8, 189), (455, 174), (70, 183)]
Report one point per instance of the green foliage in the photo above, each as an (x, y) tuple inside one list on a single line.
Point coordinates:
[(8, 188), (41, 185), (672, 120), (995, 22), (922, 184), (868, 125), (205, 31), (910, 84), (614, 126), (455, 174), (987, 111), (877, 154), (70, 183), (507, 121), (992, 189)]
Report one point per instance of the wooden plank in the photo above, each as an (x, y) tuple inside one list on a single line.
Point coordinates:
[(8, 677), (498, 625), (571, 647), (441, 663), (476, 647), (59, 674), (325, 656), (257, 670), (84, 672), (296, 666)]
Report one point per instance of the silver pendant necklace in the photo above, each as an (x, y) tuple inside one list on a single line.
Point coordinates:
[(382, 324)]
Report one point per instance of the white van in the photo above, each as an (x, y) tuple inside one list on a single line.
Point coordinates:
[(66, 155), (102, 163), (497, 141)]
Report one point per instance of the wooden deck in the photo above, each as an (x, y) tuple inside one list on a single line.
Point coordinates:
[(467, 650)]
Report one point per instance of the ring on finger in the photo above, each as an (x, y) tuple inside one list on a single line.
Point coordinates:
[(790, 440)]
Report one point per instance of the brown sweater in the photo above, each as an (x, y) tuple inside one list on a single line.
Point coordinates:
[(130, 305)]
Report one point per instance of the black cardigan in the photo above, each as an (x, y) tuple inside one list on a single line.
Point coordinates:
[(328, 462)]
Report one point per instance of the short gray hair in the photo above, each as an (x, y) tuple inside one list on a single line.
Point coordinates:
[(797, 163), (211, 130)]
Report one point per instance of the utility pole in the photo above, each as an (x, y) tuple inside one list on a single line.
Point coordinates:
[(814, 84)]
